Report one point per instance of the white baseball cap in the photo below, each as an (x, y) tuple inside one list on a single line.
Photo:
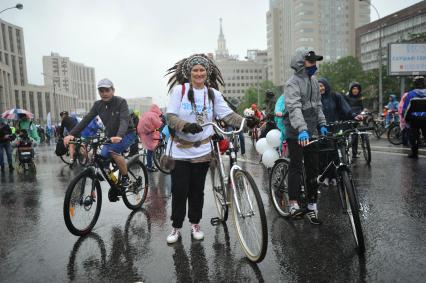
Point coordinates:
[(105, 83)]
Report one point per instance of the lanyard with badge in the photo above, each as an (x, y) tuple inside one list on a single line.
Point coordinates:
[(200, 117)]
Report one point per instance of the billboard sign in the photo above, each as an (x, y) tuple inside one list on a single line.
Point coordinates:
[(406, 59)]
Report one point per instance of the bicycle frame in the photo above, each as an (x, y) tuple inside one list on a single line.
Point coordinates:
[(233, 163)]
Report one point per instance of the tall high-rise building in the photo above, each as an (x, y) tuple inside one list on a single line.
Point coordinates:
[(74, 81), (73, 90), (239, 75), (326, 26)]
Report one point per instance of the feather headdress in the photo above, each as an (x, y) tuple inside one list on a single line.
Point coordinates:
[(180, 73)]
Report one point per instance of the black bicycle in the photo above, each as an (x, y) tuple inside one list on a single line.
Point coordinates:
[(278, 182), (83, 198), (160, 150), (81, 153)]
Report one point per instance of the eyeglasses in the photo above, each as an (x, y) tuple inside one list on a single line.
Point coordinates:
[(104, 89)]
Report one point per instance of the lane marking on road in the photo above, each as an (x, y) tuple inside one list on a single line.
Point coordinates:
[(395, 153)]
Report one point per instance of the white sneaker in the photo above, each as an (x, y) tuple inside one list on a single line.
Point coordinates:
[(326, 182), (196, 232), (174, 236)]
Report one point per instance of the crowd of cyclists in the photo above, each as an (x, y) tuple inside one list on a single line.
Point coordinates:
[(303, 112)]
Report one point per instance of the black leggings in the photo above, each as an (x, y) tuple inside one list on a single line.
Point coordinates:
[(297, 154), (188, 181)]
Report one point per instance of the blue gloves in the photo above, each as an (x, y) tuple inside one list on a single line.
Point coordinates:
[(303, 136), (323, 131)]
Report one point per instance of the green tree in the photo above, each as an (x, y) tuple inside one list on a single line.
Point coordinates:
[(250, 95)]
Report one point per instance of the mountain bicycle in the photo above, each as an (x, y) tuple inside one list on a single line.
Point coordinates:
[(81, 153), (238, 191), (83, 198), (278, 182)]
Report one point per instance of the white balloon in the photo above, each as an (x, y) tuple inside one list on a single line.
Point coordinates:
[(262, 146), (274, 138), (269, 157)]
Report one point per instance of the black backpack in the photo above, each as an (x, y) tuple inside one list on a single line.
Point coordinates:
[(60, 148)]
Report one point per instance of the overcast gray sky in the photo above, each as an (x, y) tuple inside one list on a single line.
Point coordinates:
[(133, 42)]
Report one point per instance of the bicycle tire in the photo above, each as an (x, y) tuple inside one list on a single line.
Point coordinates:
[(366, 149), (278, 187), (352, 209), (78, 268), (219, 192), (84, 202), (159, 151), (240, 190), (65, 160), (394, 134), (82, 155), (138, 185)]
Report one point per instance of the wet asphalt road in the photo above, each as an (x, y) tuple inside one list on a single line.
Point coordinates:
[(35, 245)]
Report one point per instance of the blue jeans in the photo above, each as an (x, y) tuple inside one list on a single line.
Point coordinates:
[(149, 156), (8, 148), (241, 137)]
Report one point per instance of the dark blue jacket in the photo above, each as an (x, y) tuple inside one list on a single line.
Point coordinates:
[(334, 105)]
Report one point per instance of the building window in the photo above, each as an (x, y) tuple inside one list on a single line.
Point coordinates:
[(1, 56), (17, 99), (3, 32), (12, 48), (6, 58), (32, 106), (40, 105), (21, 71), (15, 79), (18, 41), (24, 100)]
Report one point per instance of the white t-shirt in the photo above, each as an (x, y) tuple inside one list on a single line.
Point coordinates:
[(181, 106)]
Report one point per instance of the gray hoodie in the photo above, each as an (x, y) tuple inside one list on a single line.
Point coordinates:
[(302, 100)]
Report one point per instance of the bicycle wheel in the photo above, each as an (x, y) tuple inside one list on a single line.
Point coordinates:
[(394, 134), (219, 194), (278, 187), (352, 209), (159, 151), (82, 203), (65, 158), (82, 155), (136, 194), (250, 222), (366, 149)]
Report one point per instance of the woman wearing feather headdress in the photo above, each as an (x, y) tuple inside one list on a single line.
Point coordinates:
[(194, 100)]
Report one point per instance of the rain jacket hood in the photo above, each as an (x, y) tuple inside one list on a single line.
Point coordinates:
[(326, 85), (351, 86), (298, 62), (302, 100)]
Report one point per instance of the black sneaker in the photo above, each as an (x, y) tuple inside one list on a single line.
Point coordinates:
[(113, 195), (296, 212), (411, 155), (313, 217), (125, 182)]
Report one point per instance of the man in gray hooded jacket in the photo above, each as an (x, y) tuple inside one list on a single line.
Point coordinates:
[(303, 119)]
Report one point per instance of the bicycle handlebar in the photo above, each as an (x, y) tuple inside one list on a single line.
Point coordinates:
[(222, 131)]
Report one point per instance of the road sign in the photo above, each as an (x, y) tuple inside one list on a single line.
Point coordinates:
[(406, 59)]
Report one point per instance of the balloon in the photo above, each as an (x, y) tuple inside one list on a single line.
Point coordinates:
[(269, 157), (274, 138), (262, 145)]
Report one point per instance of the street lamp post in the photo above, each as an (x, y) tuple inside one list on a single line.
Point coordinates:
[(380, 57), (17, 6)]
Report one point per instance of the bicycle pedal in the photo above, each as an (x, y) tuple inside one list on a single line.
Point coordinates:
[(215, 221)]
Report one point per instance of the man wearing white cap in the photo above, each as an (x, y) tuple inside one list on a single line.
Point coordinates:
[(114, 113)]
